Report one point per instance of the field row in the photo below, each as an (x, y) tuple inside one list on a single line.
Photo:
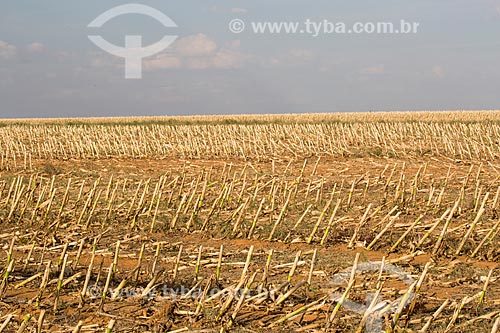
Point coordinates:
[(395, 206), (20, 145), (476, 116)]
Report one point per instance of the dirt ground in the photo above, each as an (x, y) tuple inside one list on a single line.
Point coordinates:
[(135, 245)]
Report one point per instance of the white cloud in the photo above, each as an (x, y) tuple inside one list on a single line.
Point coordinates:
[(239, 10), (303, 54), (98, 61), (7, 51), (230, 56), (101, 60), (198, 63), (373, 70), (194, 46), (198, 52), (227, 59), (225, 10), (163, 61), (438, 72), (492, 7), (36, 47), (294, 57)]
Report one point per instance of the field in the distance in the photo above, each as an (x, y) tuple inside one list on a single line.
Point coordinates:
[(251, 223)]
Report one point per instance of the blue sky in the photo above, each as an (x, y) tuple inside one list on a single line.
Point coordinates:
[(49, 68)]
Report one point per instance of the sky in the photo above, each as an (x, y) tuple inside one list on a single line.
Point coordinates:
[(50, 68)]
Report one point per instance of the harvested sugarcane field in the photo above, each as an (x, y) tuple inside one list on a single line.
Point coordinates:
[(362, 222)]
